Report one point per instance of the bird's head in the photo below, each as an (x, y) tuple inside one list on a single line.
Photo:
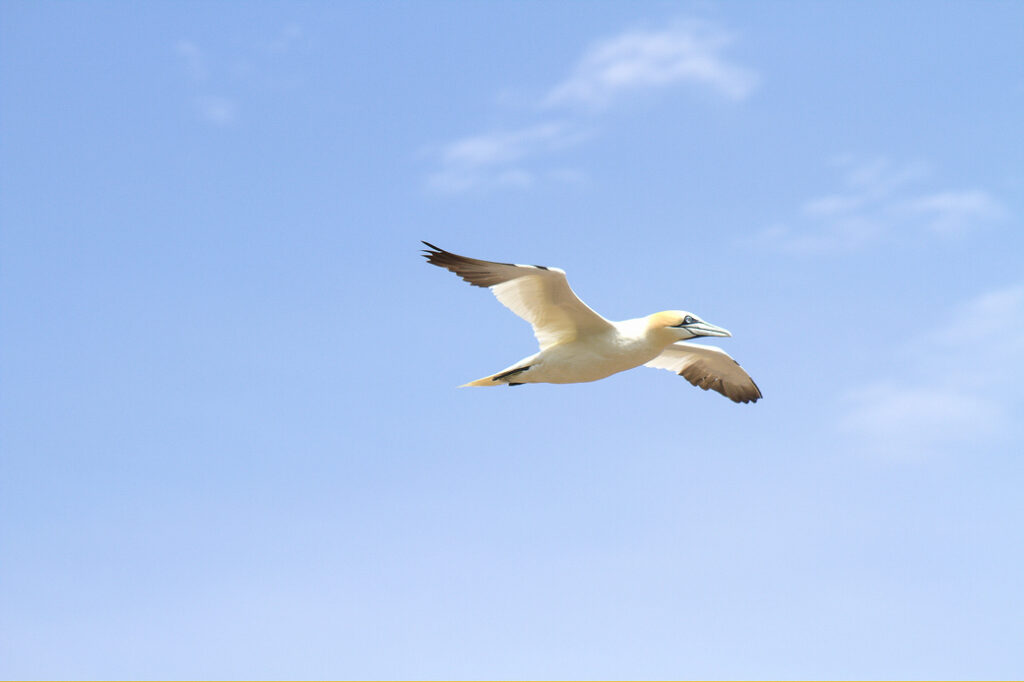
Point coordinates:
[(679, 325)]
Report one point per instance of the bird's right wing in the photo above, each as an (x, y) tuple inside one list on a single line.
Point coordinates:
[(538, 294), (708, 367)]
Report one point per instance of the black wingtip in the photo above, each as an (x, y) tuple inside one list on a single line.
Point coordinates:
[(433, 252)]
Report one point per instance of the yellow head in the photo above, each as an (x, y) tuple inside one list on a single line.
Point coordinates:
[(678, 325)]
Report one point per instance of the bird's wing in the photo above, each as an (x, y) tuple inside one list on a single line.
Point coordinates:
[(708, 367), (539, 295)]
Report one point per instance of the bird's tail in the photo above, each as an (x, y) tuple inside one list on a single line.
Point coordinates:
[(506, 376), (486, 381)]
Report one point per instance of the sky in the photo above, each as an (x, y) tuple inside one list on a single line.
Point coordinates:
[(232, 443)]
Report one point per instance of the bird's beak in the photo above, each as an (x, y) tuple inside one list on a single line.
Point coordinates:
[(706, 329)]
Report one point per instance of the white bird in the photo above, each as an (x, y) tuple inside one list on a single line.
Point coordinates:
[(577, 344)]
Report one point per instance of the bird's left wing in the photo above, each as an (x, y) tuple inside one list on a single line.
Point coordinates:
[(540, 295), (708, 367)]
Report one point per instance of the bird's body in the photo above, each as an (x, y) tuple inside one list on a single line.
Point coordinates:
[(624, 345), (578, 345)]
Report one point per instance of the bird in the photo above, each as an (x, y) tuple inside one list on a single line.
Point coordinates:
[(578, 345)]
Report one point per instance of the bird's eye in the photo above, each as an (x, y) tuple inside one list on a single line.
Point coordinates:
[(689, 319)]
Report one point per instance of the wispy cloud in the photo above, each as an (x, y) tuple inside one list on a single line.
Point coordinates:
[(635, 60), (997, 318), (217, 110), (953, 211), (193, 58), (878, 200), (498, 148), (219, 83), (289, 36), (966, 387), (521, 156), (495, 159), (893, 419)]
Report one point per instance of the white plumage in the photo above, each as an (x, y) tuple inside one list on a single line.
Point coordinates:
[(577, 344)]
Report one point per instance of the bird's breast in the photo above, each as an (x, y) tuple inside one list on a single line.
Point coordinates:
[(594, 358)]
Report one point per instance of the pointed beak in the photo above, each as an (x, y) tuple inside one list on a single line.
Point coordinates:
[(705, 329)]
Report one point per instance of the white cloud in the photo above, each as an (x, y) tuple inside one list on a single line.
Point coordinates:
[(635, 60), (631, 61), (908, 420), (969, 370), (954, 211), (879, 177), (506, 146), (831, 205), (879, 200), (997, 317), (494, 159)]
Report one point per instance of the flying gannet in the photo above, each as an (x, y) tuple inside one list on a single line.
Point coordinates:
[(578, 345)]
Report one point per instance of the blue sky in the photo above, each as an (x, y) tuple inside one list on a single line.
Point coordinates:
[(232, 442)]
